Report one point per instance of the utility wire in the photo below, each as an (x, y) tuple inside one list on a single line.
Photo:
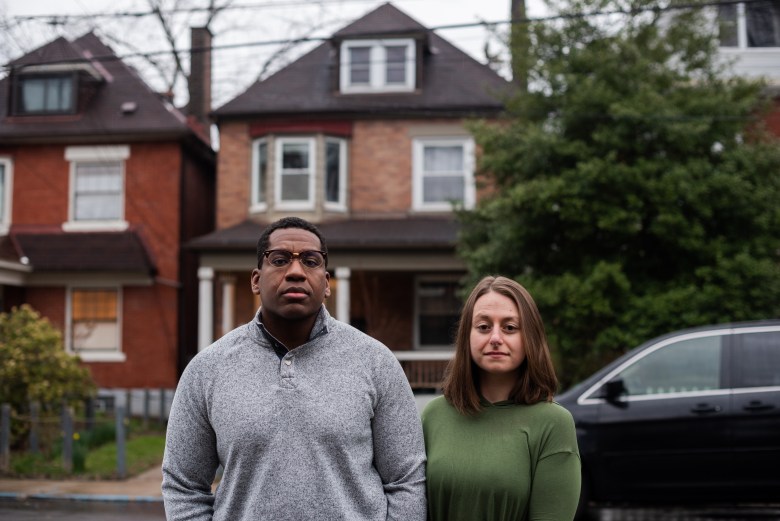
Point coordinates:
[(527, 20)]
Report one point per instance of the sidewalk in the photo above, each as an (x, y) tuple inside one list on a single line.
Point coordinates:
[(144, 487)]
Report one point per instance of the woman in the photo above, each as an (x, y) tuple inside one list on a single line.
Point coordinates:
[(498, 447)]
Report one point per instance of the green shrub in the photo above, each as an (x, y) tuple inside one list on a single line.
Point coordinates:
[(35, 367)]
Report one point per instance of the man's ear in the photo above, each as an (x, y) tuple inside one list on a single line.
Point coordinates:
[(327, 288), (255, 281)]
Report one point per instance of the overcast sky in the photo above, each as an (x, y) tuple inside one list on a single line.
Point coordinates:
[(261, 21)]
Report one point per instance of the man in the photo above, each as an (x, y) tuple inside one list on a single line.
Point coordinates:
[(310, 418)]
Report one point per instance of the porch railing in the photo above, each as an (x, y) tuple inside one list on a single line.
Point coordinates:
[(424, 369)]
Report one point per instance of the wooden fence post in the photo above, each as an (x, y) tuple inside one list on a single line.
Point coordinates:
[(147, 399), (67, 439), (162, 406), (34, 425), (5, 437), (121, 456)]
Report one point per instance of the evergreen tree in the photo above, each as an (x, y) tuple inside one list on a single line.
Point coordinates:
[(636, 190)]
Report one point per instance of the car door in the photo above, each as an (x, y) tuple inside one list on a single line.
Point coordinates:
[(756, 413), (667, 435)]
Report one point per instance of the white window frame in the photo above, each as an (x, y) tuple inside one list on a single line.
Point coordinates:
[(302, 204), (88, 154), (444, 279), (378, 66), (418, 174), (7, 195), (341, 204), (742, 33), (259, 204), (98, 356)]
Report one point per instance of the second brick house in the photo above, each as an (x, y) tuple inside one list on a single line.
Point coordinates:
[(366, 136)]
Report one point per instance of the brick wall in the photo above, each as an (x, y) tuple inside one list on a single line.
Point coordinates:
[(152, 207), (233, 174), (381, 167)]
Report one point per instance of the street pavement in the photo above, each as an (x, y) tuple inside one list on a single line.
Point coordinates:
[(144, 487)]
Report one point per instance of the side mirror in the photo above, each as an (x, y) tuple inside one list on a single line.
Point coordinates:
[(614, 389)]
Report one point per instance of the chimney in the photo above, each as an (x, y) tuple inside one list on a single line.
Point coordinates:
[(200, 78)]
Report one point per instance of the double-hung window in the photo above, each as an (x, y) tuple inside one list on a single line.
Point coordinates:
[(45, 94), (443, 173), (94, 324), (6, 189), (378, 66), (295, 164), (97, 183), (750, 24)]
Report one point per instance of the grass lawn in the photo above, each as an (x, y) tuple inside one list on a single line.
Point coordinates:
[(95, 456)]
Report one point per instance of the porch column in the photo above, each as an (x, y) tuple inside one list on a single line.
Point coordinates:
[(205, 307), (342, 294), (228, 303)]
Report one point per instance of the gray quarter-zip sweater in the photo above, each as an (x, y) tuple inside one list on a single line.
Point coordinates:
[(329, 432)]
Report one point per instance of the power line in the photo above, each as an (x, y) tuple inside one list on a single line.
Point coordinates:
[(528, 20)]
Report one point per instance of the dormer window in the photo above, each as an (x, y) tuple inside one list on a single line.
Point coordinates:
[(377, 66), (45, 94)]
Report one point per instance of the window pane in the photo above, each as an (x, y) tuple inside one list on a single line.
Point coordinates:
[(443, 189), (763, 24), (758, 361), (332, 172), (396, 64), (98, 191), (443, 159), (295, 187), (295, 156), (727, 25), (95, 319), (262, 167), (359, 65), (439, 312), (689, 365), (33, 95)]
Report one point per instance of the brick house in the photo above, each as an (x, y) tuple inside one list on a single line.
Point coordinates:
[(365, 135), (102, 180)]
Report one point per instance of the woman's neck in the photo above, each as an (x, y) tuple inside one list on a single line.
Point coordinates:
[(496, 387)]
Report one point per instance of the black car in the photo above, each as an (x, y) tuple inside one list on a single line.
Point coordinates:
[(689, 417)]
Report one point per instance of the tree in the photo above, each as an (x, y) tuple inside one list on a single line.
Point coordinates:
[(636, 191), (34, 366)]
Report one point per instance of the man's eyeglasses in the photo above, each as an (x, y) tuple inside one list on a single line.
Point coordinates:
[(309, 259)]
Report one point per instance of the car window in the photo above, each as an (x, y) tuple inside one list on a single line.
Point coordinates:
[(757, 362), (688, 365)]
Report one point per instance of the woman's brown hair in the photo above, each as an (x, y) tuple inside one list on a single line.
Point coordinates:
[(536, 380)]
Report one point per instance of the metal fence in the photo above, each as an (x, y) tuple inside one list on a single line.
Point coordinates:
[(42, 428)]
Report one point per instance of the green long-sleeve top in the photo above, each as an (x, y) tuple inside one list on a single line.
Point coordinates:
[(508, 462)]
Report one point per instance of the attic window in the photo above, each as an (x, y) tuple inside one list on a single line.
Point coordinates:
[(377, 66), (45, 94)]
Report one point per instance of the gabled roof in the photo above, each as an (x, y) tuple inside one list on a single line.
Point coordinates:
[(84, 252), (384, 20), (452, 81), (102, 117)]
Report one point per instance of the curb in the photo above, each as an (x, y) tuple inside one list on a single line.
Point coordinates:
[(82, 497)]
